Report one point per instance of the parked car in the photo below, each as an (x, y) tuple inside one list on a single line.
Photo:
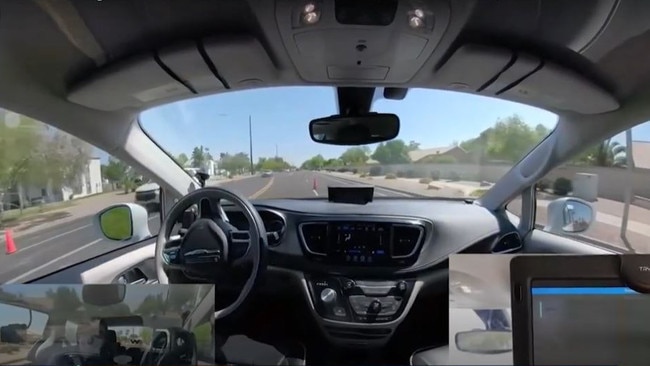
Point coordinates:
[(148, 196), (267, 174)]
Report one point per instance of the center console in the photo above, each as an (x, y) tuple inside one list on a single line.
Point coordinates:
[(353, 306), (346, 300)]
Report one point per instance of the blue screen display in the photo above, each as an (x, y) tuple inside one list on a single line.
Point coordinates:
[(590, 325)]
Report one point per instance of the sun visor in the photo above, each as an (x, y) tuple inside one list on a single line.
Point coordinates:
[(470, 68), (241, 61), (500, 72), (558, 87), (130, 84), (175, 73)]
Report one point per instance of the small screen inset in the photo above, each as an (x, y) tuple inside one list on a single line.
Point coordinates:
[(589, 325)]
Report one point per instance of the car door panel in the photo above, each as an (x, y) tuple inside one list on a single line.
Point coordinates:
[(541, 242)]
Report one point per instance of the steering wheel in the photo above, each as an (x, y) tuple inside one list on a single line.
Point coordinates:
[(212, 248)]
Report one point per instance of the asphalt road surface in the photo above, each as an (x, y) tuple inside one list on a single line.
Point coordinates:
[(54, 248)]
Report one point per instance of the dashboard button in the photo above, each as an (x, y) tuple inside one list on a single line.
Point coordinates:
[(339, 311)]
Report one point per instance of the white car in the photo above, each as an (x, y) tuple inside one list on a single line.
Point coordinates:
[(148, 196)]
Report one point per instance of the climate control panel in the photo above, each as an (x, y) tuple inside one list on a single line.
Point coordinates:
[(359, 301)]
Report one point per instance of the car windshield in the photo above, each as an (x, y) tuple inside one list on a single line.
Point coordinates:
[(450, 144)]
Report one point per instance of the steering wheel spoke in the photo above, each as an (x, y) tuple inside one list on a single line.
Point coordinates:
[(240, 242)]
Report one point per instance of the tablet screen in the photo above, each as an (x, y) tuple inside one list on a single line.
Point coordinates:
[(597, 324)]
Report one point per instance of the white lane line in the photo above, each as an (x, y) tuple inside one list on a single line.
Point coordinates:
[(379, 193), (16, 279), (53, 237), (316, 193)]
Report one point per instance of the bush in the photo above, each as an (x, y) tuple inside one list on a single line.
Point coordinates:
[(400, 174), (354, 171), (435, 175), (390, 176), (375, 171), (562, 186), (454, 177), (363, 175), (425, 180), (543, 185)]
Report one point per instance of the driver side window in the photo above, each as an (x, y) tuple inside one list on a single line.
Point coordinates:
[(606, 190), (52, 185)]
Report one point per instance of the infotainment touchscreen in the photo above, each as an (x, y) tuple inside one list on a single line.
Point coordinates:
[(360, 242), (589, 323)]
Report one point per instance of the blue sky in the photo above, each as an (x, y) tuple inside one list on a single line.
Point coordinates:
[(280, 117)]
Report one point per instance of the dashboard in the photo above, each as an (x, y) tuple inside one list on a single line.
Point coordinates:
[(361, 267), (384, 237)]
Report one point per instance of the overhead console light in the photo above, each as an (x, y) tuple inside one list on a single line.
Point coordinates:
[(416, 20), (310, 14)]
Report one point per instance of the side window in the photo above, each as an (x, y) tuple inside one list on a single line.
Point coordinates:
[(20, 329), (51, 186), (614, 179), (204, 335)]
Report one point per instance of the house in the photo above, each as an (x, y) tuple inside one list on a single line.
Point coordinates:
[(87, 183), (447, 154), (641, 154)]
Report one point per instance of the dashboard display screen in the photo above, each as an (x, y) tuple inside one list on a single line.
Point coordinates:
[(360, 243)]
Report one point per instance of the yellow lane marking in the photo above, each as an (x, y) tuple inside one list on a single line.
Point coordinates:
[(264, 189)]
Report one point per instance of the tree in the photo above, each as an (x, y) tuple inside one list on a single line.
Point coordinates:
[(234, 164), (65, 302), (355, 155), (115, 170), (392, 152), (182, 159), (34, 154), (413, 145), (200, 156), (508, 140), (314, 163), (607, 153), (273, 164)]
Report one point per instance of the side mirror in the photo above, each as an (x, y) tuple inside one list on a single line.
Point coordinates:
[(569, 215), (121, 222), (484, 341)]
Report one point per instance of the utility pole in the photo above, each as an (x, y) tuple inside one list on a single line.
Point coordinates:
[(276, 151), (250, 140)]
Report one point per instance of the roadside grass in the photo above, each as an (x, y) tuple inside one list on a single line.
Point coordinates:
[(478, 192)]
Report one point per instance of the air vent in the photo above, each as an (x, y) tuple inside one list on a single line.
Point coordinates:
[(508, 243), (314, 236), (275, 226), (405, 240)]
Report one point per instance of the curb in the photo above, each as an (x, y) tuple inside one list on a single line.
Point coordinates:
[(414, 195)]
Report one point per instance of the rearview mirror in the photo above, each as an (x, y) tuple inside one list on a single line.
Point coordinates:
[(125, 221), (569, 216), (484, 341), (103, 295), (354, 130)]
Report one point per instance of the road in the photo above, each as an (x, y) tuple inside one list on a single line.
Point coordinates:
[(57, 247)]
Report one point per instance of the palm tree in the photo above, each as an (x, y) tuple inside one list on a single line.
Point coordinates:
[(608, 153)]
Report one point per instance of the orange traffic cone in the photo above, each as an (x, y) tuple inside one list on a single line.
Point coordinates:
[(315, 186), (9, 242)]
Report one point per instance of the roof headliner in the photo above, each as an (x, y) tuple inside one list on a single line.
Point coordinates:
[(41, 43)]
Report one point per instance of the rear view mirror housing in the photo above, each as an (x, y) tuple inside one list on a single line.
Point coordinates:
[(484, 341), (103, 295), (354, 130), (122, 222)]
